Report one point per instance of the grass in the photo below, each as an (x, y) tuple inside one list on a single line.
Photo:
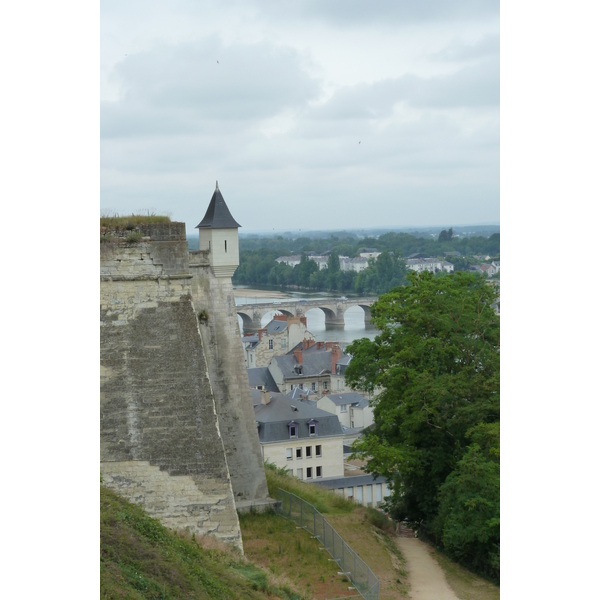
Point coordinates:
[(324, 500), (276, 544), (141, 559), (129, 222), (291, 555), (466, 585)]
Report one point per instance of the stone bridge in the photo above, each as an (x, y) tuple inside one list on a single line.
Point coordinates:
[(334, 309)]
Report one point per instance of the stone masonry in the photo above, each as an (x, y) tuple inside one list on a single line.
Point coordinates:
[(166, 376)]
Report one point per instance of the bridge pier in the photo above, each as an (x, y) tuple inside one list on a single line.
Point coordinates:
[(252, 323), (334, 319)]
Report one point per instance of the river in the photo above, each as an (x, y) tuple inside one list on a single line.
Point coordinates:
[(354, 327)]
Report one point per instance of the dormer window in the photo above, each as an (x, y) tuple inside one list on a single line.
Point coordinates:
[(293, 429), (312, 427)]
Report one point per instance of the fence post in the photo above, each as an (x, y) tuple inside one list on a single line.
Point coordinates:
[(301, 506)]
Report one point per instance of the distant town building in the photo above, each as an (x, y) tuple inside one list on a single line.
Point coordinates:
[(354, 264), (315, 366), (363, 489), (277, 338), (298, 436), (351, 408), (429, 264), (488, 269), (369, 253)]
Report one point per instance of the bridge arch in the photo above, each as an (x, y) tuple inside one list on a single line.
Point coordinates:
[(246, 320)]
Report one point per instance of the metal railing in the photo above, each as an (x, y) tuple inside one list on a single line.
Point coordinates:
[(351, 565)]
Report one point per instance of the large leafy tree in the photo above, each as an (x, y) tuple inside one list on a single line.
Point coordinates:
[(434, 368)]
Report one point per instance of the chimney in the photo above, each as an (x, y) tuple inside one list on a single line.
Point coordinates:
[(320, 345), (307, 343), (265, 396), (298, 355), (336, 352)]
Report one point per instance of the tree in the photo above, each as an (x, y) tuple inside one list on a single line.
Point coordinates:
[(436, 361), (468, 520)]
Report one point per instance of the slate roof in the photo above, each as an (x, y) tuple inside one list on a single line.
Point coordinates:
[(261, 376), (313, 363), (348, 398), (276, 326), (273, 419), (338, 482), (297, 394), (217, 214)]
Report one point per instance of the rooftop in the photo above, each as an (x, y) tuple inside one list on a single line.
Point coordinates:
[(217, 214)]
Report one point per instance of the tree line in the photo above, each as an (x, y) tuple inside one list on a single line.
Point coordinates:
[(258, 256), (260, 267), (400, 244)]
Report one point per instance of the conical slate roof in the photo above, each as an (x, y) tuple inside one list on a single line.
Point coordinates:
[(217, 214)]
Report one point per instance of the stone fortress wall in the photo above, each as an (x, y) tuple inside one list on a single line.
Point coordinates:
[(177, 434)]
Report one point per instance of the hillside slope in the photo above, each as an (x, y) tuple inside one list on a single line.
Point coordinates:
[(141, 559)]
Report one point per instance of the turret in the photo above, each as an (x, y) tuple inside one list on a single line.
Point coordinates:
[(218, 233)]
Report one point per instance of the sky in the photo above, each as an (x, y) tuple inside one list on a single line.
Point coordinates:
[(316, 115)]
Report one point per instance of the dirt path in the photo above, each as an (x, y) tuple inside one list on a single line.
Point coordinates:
[(426, 578)]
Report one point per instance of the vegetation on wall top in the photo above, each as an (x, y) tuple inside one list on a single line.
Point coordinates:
[(130, 222)]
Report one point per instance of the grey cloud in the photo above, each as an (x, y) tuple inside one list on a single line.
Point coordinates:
[(341, 13), (472, 86), (178, 88), (486, 46)]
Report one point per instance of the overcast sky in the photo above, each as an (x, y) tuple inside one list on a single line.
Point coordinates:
[(310, 114)]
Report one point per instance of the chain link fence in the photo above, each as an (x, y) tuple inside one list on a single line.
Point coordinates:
[(305, 515)]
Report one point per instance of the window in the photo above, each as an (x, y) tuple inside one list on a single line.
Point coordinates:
[(378, 492), (298, 452), (288, 453), (339, 384), (352, 424), (299, 473), (350, 493), (308, 451), (225, 245), (325, 385), (314, 386), (312, 427), (270, 344), (283, 343), (318, 450), (309, 473), (359, 493), (319, 472), (369, 494), (344, 408), (293, 427), (301, 386)]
